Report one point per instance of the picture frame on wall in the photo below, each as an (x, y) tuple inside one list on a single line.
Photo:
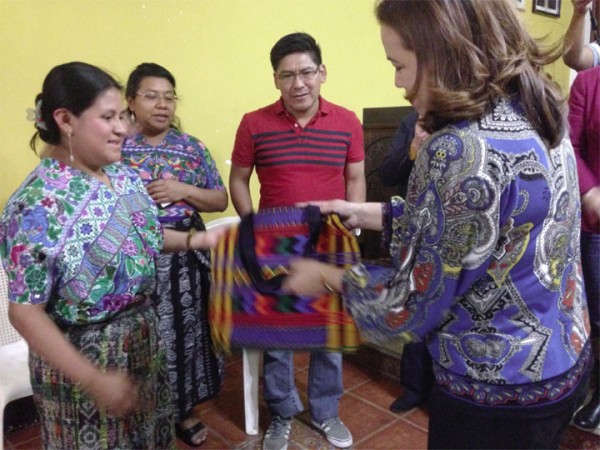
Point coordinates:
[(548, 7), (520, 4)]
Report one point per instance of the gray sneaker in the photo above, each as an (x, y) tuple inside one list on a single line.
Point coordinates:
[(278, 434), (335, 431)]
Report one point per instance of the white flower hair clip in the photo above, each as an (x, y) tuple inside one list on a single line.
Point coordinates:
[(35, 115)]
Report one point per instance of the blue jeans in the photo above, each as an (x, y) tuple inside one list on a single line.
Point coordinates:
[(325, 385), (590, 262)]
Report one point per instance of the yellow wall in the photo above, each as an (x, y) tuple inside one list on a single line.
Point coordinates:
[(217, 50)]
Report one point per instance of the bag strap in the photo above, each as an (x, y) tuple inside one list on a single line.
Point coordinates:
[(247, 247)]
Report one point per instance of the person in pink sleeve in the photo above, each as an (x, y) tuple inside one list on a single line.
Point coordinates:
[(584, 121)]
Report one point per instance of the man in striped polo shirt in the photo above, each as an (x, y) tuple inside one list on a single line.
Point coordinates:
[(304, 148)]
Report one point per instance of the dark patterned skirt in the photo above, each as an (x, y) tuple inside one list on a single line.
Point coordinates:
[(196, 369), (70, 418)]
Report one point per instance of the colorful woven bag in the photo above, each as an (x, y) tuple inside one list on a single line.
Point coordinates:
[(248, 308)]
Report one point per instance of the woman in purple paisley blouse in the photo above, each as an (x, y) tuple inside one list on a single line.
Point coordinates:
[(78, 241), (182, 178), (486, 242)]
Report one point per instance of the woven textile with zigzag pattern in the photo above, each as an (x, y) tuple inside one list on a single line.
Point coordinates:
[(244, 314)]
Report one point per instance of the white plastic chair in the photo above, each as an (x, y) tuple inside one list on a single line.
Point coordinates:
[(251, 359), (14, 366)]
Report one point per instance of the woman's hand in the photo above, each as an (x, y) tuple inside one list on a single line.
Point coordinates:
[(311, 278), (346, 211), (353, 215), (114, 391), (166, 191), (205, 240), (181, 241)]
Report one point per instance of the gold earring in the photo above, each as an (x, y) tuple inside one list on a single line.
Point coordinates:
[(71, 159)]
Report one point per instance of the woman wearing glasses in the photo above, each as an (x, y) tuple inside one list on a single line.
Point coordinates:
[(182, 178)]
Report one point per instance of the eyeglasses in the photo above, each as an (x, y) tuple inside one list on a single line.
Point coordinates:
[(153, 97), (306, 75)]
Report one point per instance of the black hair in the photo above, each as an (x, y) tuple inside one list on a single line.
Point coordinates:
[(74, 86), (295, 43), (145, 70)]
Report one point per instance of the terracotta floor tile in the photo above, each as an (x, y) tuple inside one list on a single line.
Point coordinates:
[(32, 444), (379, 390), (301, 378), (228, 423), (28, 434), (252, 443), (399, 435), (233, 389), (234, 374), (301, 360), (354, 375), (362, 417), (376, 362), (418, 416), (576, 439)]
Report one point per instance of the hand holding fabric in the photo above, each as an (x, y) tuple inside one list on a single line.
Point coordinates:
[(354, 215)]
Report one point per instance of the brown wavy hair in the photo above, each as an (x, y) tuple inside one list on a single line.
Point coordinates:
[(475, 51)]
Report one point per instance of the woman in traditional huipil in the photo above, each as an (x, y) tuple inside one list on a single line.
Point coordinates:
[(182, 178), (78, 241)]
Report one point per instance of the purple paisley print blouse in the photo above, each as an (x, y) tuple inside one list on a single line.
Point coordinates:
[(487, 265)]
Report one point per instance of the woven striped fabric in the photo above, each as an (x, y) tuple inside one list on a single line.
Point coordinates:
[(241, 316)]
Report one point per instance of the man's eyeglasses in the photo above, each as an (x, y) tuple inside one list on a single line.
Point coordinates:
[(306, 75), (169, 97)]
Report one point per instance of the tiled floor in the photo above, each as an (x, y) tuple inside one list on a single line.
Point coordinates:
[(364, 409)]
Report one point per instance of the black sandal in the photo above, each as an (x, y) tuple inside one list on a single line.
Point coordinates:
[(186, 435)]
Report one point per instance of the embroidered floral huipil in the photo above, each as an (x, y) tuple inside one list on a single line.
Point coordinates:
[(70, 241), (179, 156)]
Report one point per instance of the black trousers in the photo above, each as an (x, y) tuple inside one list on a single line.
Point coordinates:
[(416, 368), (458, 424)]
